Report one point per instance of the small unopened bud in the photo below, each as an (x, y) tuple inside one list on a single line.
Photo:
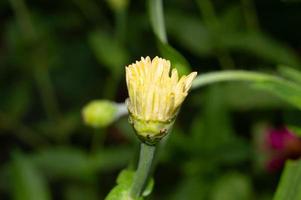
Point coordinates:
[(101, 113)]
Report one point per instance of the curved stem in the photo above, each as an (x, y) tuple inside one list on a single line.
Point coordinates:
[(157, 19), (232, 75), (142, 173)]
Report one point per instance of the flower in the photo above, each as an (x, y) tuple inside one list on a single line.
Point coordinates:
[(282, 144), (155, 96), (275, 145)]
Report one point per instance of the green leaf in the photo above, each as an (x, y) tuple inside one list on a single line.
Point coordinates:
[(290, 182), (125, 177), (177, 60), (27, 182), (290, 73), (122, 189), (108, 51), (286, 90)]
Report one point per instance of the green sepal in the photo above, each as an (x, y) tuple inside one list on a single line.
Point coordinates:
[(148, 131)]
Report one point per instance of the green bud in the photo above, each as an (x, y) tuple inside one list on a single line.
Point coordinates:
[(99, 113)]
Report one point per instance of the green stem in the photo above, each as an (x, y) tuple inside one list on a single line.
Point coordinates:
[(232, 75), (142, 173), (157, 19)]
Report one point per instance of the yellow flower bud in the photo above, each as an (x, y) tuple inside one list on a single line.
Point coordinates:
[(155, 96), (99, 113)]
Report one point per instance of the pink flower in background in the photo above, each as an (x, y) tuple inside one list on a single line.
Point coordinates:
[(281, 144)]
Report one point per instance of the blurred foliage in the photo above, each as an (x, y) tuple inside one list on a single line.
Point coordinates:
[(56, 56)]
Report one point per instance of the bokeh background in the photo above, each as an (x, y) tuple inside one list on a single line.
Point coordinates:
[(228, 143)]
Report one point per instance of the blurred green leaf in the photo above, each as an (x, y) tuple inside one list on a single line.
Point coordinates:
[(108, 51), (290, 73), (286, 90), (290, 183), (28, 184), (192, 34), (264, 100), (232, 186), (260, 45), (177, 60), (189, 32), (64, 162)]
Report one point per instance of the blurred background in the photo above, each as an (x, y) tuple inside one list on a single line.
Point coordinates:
[(230, 140)]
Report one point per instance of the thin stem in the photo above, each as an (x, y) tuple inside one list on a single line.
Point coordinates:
[(232, 75), (157, 19), (142, 173)]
